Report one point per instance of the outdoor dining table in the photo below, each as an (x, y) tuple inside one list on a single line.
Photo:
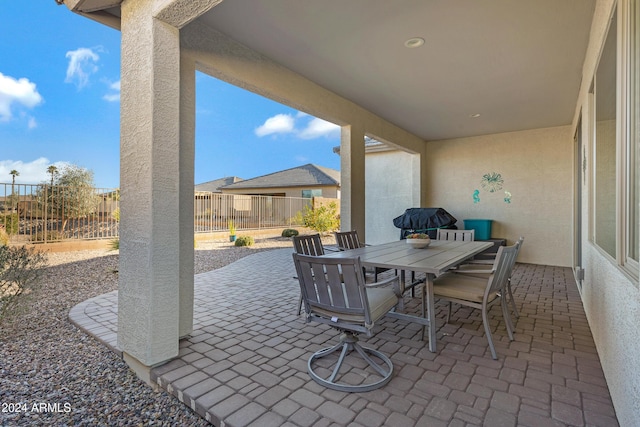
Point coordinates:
[(436, 259)]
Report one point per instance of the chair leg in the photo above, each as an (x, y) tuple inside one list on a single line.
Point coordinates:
[(300, 304), (487, 331), (347, 344), (507, 317), (513, 301), (448, 312)]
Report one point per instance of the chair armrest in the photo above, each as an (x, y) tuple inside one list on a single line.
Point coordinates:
[(481, 261), (486, 271), (394, 281), (384, 282), (481, 274)]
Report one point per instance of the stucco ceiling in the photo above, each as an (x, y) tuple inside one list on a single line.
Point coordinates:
[(516, 63)]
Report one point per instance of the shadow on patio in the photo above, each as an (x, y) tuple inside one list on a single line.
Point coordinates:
[(245, 363)]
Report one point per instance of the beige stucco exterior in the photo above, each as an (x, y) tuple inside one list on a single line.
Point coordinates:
[(610, 296), (392, 185), (537, 169)]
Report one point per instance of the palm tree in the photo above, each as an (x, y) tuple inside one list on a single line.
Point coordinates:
[(13, 174), (53, 171)]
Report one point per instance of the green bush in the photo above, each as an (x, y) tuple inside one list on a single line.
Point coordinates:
[(11, 223), (244, 241), (322, 219), (20, 269), (114, 245), (289, 232)]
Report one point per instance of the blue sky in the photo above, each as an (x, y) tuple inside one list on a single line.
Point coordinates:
[(59, 104)]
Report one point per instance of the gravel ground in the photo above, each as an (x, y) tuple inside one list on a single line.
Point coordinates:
[(51, 373)]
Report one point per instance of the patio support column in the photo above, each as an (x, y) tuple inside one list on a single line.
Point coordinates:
[(186, 194), (156, 164), (421, 187), (352, 192)]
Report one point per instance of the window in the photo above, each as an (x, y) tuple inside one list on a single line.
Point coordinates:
[(307, 194), (605, 146), (633, 163), (616, 152)]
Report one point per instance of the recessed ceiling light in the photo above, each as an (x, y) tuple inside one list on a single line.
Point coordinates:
[(474, 116), (414, 42)]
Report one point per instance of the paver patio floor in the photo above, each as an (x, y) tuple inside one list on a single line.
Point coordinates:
[(246, 362)]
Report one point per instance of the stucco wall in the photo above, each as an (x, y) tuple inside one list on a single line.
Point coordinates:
[(390, 181), (611, 299), (536, 167)]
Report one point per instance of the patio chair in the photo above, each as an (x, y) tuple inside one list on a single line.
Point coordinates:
[(487, 263), (450, 234), (334, 293), (480, 292), (309, 244), (458, 235), (350, 240)]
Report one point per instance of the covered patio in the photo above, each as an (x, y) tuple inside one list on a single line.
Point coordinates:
[(245, 362), (527, 113)]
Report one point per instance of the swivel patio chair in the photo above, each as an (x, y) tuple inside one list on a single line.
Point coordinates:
[(310, 244), (334, 293), (480, 292)]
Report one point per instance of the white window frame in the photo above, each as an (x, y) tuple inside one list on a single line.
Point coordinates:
[(628, 106)]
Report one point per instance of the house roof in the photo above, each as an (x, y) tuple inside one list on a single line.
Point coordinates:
[(214, 186), (308, 175)]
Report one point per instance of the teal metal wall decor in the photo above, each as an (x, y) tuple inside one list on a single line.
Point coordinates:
[(492, 182)]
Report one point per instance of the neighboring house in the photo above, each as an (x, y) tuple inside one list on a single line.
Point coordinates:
[(303, 181), (215, 185)]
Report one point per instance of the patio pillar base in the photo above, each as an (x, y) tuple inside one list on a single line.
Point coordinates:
[(142, 371)]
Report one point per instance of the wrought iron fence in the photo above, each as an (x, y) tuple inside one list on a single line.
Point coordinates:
[(45, 213), (51, 213), (213, 211)]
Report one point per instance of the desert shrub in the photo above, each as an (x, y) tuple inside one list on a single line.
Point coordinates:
[(323, 218), (11, 223), (244, 241), (114, 245), (49, 236), (289, 232), (4, 237), (20, 269)]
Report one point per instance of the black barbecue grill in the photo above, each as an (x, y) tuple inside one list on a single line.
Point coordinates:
[(424, 220)]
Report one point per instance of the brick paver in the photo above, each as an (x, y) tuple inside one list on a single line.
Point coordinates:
[(246, 362)]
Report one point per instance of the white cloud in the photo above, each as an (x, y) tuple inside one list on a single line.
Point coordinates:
[(317, 128), (34, 172), (285, 123), (32, 123), (281, 123), (82, 63), (114, 95), (16, 91)]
